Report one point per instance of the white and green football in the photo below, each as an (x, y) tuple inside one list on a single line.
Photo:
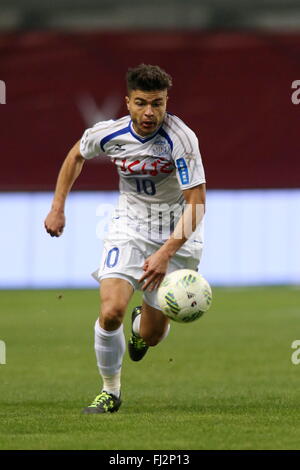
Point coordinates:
[(184, 295)]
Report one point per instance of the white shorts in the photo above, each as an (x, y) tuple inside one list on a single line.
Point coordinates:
[(125, 259)]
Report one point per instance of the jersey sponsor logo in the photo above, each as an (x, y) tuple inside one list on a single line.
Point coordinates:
[(140, 167)]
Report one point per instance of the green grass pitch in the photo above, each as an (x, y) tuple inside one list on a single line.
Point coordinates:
[(224, 382)]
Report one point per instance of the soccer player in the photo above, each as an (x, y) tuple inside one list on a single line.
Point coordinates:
[(156, 227)]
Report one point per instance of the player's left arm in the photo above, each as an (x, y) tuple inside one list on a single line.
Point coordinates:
[(156, 265)]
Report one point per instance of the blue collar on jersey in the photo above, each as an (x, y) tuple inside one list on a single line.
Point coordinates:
[(129, 128), (160, 131), (138, 137)]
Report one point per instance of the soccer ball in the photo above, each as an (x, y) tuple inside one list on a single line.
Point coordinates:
[(184, 295)]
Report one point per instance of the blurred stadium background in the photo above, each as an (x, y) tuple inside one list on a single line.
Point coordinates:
[(233, 64)]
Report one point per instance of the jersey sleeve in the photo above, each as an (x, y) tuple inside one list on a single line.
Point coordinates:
[(90, 141), (188, 161)]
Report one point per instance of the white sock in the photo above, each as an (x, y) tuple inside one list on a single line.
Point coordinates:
[(136, 327), (112, 383), (110, 348)]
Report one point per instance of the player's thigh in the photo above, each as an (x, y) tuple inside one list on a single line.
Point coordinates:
[(115, 293), (153, 324)]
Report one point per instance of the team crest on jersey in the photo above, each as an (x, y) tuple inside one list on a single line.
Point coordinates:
[(160, 148)]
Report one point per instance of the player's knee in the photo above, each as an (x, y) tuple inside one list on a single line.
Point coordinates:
[(111, 317), (110, 321)]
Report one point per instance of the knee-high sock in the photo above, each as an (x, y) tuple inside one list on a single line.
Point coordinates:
[(110, 348)]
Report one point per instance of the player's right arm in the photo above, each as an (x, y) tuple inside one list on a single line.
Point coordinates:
[(69, 172)]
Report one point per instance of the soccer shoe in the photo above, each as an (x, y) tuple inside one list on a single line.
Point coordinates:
[(137, 347), (103, 403)]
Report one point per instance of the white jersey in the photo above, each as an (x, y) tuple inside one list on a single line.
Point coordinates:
[(153, 171)]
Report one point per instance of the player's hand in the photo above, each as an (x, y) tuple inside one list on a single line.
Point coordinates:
[(55, 222), (155, 268)]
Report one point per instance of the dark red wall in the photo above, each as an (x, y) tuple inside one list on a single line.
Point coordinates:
[(234, 90)]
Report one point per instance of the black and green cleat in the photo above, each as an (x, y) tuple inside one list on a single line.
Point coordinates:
[(137, 347), (103, 403)]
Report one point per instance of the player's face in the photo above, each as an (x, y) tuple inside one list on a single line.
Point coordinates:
[(147, 110)]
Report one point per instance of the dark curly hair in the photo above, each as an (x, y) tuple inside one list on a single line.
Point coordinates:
[(148, 78)]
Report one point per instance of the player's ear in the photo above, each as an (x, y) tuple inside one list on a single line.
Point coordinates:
[(127, 102)]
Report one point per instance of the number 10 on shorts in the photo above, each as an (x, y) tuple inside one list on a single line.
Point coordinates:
[(112, 257)]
